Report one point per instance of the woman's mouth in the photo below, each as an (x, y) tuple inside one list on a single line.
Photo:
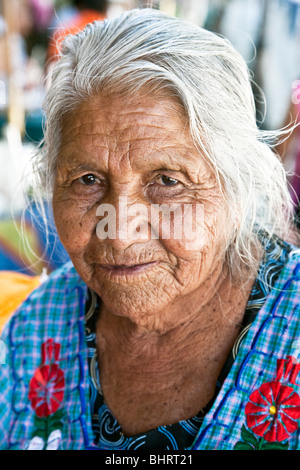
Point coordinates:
[(127, 269)]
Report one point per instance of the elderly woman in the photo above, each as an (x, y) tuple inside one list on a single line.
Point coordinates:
[(152, 338)]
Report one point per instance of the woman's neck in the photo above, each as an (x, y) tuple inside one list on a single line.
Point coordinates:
[(151, 377)]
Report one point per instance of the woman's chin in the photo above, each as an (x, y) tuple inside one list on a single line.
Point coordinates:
[(142, 305)]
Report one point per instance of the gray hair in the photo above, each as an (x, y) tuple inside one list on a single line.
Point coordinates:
[(149, 49)]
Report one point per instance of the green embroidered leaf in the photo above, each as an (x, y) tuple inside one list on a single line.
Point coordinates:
[(44, 426), (274, 446), (247, 436), (55, 421), (39, 422), (243, 446), (40, 428)]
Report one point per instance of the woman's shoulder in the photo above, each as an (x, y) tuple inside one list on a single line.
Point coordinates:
[(278, 282), (47, 303), (46, 326), (281, 265), (65, 278), (280, 258)]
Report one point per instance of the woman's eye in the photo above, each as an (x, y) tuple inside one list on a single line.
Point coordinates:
[(167, 181), (88, 185), (89, 180)]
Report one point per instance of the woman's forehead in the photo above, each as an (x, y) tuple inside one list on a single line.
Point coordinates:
[(116, 112), (148, 130)]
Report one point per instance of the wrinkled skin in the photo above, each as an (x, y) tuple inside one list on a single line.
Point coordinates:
[(128, 151), (181, 298)]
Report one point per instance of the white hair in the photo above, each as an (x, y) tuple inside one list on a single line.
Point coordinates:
[(147, 49)]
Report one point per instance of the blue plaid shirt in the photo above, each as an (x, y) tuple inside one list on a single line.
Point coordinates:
[(54, 315)]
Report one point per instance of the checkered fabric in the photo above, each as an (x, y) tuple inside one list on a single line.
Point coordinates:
[(56, 310), (272, 336)]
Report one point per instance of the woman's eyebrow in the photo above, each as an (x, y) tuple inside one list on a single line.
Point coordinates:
[(72, 168)]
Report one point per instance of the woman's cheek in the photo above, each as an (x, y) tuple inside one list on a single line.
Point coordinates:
[(202, 230), (75, 224), (185, 235)]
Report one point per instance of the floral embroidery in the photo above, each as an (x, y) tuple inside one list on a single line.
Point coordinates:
[(46, 393), (273, 410)]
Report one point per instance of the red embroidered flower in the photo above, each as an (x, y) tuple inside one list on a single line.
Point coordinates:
[(46, 388), (288, 370), (272, 411)]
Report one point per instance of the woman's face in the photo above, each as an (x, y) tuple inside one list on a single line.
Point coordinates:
[(123, 164)]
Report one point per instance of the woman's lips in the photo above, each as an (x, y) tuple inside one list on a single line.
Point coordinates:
[(127, 269)]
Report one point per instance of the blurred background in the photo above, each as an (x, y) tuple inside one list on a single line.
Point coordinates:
[(266, 32)]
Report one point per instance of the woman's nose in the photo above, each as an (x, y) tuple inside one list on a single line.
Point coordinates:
[(123, 222)]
